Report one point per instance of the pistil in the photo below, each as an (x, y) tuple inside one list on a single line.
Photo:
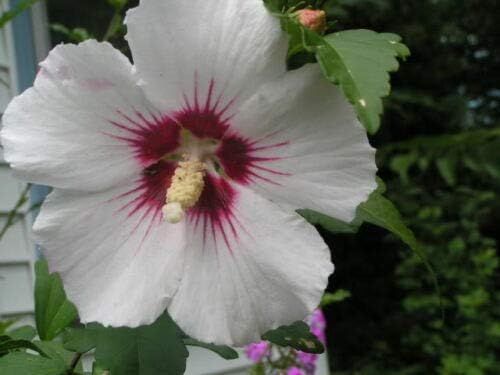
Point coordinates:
[(185, 189)]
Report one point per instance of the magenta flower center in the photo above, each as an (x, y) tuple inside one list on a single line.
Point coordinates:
[(202, 132)]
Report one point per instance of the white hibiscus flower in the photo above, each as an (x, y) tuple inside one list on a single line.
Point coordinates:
[(176, 179)]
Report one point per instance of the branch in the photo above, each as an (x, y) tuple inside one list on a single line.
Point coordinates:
[(13, 215), (9, 15)]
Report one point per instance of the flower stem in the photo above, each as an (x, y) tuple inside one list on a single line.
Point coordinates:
[(12, 217), (114, 26)]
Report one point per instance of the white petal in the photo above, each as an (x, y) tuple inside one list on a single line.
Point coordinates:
[(235, 43), (118, 269), (323, 160), (273, 272), (58, 132)]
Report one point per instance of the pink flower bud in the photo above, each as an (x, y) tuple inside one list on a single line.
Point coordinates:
[(312, 19)]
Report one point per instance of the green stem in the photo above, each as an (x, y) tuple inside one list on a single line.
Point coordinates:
[(74, 363), (9, 15), (111, 30), (12, 216), (4, 82)]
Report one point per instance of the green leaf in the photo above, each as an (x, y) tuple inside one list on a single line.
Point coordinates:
[(224, 351), (55, 350), (447, 169), (4, 338), (401, 164), (337, 226), (279, 6), (77, 34), (149, 350), (328, 223), (381, 212), (8, 345), (81, 340), (4, 325), (358, 61), (297, 336), (53, 311), (275, 6), (14, 12), (117, 4), (98, 370), (23, 333), (338, 296), (258, 369), (19, 363)]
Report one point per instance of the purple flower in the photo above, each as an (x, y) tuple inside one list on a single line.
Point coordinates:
[(307, 358), (295, 371), (256, 351), (317, 322), (308, 362), (305, 363)]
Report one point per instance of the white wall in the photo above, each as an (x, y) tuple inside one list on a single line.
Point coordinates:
[(16, 250)]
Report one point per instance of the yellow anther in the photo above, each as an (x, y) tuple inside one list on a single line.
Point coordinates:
[(185, 190)]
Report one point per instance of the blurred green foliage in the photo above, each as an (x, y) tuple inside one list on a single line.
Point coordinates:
[(17, 9), (439, 156)]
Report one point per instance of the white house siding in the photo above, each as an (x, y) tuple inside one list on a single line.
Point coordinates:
[(16, 250)]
